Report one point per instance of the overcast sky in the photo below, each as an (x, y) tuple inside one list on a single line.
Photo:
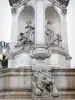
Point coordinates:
[(5, 25)]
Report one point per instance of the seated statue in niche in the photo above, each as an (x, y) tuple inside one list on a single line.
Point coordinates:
[(28, 36), (30, 30), (52, 38)]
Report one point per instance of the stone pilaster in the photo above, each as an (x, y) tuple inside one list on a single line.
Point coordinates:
[(14, 28), (64, 28)]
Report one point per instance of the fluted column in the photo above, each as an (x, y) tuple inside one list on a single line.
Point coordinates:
[(39, 23), (64, 28)]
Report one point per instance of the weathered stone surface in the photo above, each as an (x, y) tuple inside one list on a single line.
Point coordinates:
[(12, 83)]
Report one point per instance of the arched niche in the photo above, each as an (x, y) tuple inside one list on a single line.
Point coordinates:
[(52, 15), (26, 14)]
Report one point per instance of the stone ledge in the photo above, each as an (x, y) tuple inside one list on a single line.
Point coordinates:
[(16, 95), (13, 80), (15, 70)]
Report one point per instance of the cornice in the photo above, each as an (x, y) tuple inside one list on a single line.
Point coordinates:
[(60, 3), (18, 3), (63, 2), (60, 50)]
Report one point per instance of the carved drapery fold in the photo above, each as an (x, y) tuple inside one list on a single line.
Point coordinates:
[(51, 37), (29, 35)]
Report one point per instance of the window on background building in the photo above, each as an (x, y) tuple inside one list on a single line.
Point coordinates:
[(0, 43), (4, 50), (3, 44), (1, 56)]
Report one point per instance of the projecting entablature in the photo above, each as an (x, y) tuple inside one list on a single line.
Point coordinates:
[(15, 3), (60, 3)]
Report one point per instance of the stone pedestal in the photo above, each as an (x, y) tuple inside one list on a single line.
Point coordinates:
[(45, 98), (15, 81), (33, 44)]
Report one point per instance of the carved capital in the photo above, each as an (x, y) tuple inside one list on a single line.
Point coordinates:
[(13, 10), (64, 11)]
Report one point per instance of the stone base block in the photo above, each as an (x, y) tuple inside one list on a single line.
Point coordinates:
[(16, 95), (45, 98)]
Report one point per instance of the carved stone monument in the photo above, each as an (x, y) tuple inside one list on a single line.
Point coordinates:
[(38, 44), (39, 34)]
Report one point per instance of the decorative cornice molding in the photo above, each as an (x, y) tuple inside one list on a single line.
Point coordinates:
[(61, 51), (59, 3), (18, 3), (68, 57), (64, 2)]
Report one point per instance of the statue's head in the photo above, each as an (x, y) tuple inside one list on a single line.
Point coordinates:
[(50, 22), (28, 22)]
